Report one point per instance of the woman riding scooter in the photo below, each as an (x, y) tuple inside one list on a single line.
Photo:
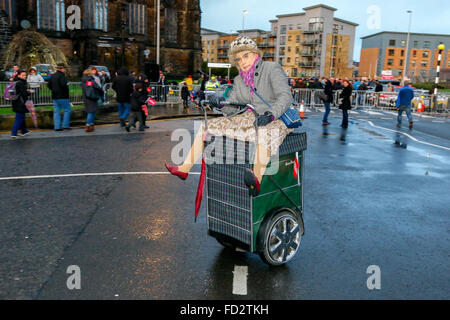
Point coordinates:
[(262, 84)]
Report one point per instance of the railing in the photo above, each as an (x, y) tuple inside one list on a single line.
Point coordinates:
[(384, 101), (43, 96), (266, 44)]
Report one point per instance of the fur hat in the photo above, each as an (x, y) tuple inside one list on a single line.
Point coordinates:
[(242, 43)]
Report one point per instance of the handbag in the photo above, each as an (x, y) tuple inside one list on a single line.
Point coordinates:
[(323, 97), (291, 118), (90, 91)]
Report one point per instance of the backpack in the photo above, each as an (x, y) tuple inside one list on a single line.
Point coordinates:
[(10, 92)]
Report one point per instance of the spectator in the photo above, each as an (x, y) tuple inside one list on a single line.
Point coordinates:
[(92, 92), (345, 103), (60, 95), (405, 96), (18, 105), (327, 103), (133, 76), (34, 81), (212, 84), (362, 88), (105, 81), (138, 99), (163, 87), (189, 83), (378, 87), (123, 86), (185, 94), (356, 84), (203, 87), (16, 68), (143, 79)]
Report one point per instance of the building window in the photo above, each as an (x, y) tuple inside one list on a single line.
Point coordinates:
[(416, 44), (51, 15), (95, 14), (390, 62), (291, 27), (137, 18), (391, 52), (283, 29), (403, 43), (413, 63), (288, 60), (392, 42), (289, 49), (414, 53), (426, 44), (401, 63), (283, 40), (297, 39), (212, 41), (425, 54), (424, 63), (299, 26), (402, 53), (9, 7)]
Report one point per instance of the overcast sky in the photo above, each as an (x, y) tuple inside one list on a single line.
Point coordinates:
[(431, 16)]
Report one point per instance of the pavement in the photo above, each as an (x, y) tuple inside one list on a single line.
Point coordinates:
[(375, 195)]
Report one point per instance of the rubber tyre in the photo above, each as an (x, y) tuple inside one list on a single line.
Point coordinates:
[(280, 238)]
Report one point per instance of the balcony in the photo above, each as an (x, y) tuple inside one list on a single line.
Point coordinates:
[(310, 31), (268, 55), (266, 45), (222, 56), (309, 65), (310, 54), (223, 46), (311, 43)]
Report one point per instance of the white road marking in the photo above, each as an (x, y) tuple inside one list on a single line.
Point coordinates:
[(88, 175), (409, 136), (240, 274)]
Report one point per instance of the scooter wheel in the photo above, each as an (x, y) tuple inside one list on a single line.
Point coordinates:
[(282, 235)]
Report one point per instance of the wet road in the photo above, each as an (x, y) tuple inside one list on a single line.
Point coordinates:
[(374, 195)]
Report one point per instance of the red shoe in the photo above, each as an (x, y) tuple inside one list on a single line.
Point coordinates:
[(175, 171), (411, 125), (251, 182)]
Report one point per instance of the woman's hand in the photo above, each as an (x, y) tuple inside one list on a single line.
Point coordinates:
[(216, 102), (264, 119)]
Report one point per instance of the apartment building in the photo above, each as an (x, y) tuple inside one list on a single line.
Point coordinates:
[(210, 44), (314, 43), (387, 51)]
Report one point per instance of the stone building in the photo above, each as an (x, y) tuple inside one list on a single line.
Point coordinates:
[(115, 32)]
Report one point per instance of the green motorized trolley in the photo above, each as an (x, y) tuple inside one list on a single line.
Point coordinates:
[(270, 224)]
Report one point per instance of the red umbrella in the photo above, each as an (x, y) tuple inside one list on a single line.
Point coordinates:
[(30, 106)]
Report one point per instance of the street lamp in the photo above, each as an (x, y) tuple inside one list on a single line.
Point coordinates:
[(405, 74), (158, 30), (244, 12)]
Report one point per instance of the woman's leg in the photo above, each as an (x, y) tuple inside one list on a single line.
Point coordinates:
[(194, 154), (262, 158)]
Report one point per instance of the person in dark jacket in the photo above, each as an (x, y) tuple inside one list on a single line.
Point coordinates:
[(203, 86), (185, 94), (329, 93), (90, 103), (19, 106), (142, 78), (123, 85), (346, 103), (60, 95), (378, 87), (138, 99), (163, 87)]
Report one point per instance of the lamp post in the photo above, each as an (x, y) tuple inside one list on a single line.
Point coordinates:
[(158, 30), (405, 74), (441, 48), (244, 12)]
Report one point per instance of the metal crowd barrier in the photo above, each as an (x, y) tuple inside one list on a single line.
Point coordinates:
[(376, 100), (43, 96)]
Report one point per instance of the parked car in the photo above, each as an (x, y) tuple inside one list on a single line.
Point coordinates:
[(45, 70), (100, 69)]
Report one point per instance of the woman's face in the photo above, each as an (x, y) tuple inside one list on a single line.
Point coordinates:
[(245, 60), (345, 84), (23, 75)]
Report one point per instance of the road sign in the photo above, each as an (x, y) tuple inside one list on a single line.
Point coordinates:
[(219, 65)]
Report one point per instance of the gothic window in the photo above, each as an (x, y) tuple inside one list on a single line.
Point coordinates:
[(171, 21), (8, 6), (96, 14), (137, 18), (51, 15)]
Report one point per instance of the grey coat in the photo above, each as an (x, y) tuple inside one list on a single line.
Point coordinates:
[(271, 83)]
